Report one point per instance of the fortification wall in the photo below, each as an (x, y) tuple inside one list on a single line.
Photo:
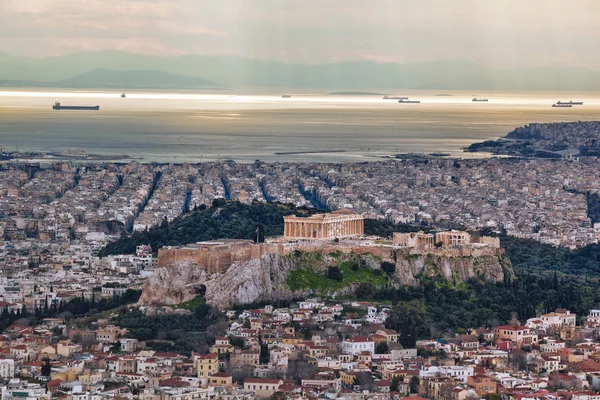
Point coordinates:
[(218, 258)]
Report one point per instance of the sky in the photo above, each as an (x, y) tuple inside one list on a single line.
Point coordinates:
[(500, 33)]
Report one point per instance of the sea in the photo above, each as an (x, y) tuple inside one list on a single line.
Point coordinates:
[(188, 126)]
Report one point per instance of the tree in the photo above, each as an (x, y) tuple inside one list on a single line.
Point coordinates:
[(388, 267), (381, 348), (394, 385), (409, 318), (264, 354), (164, 223), (415, 382), (518, 359), (240, 374), (364, 290), (492, 396), (335, 274), (365, 380), (46, 368)]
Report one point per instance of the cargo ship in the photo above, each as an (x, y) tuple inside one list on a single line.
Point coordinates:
[(479, 99), (559, 104), (394, 98), (57, 106), (286, 96), (572, 103), (409, 101)]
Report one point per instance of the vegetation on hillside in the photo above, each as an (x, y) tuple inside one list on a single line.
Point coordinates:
[(434, 307), (181, 333), (532, 256), (335, 277), (76, 307), (223, 220)]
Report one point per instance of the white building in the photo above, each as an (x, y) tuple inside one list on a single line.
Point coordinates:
[(559, 319), (357, 344), (7, 368), (593, 319), (461, 373), (20, 390)]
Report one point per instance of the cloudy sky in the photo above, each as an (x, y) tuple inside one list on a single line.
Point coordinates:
[(503, 33)]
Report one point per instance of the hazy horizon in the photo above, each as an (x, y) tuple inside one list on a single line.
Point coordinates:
[(502, 34)]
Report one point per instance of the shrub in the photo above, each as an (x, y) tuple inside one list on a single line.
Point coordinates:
[(335, 274)]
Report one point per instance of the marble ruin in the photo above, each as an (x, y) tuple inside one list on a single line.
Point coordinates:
[(324, 226)]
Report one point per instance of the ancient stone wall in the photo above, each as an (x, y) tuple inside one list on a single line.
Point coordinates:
[(217, 257)]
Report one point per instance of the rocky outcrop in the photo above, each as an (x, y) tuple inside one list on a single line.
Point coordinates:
[(264, 278), (411, 268), (244, 282)]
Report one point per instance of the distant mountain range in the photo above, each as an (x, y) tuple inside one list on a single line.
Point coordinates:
[(106, 78), (119, 69)]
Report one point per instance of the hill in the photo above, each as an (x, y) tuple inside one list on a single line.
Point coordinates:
[(357, 75), (223, 220), (148, 79), (234, 220)]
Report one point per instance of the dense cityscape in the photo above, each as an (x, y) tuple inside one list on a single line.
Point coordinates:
[(299, 200), (72, 329)]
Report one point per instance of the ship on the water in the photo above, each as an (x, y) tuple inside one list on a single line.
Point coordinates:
[(479, 99), (395, 98), (409, 101), (286, 96), (123, 96), (572, 103), (58, 106), (559, 104)]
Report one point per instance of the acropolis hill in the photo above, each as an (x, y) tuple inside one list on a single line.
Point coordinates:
[(240, 271)]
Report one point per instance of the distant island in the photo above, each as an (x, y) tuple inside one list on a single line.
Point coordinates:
[(549, 140), (357, 94)]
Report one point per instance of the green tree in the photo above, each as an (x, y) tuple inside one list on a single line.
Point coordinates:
[(409, 318), (381, 348), (264, 354), (492, 396), (415, 382), (335, 274), (46, 368), (388, 267), (394, 385)]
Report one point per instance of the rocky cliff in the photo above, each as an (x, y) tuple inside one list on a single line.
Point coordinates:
[(266, 278)]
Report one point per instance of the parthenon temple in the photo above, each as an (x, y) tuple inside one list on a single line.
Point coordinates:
[(323, 226)]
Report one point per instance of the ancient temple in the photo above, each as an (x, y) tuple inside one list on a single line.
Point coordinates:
[(324, 226)]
